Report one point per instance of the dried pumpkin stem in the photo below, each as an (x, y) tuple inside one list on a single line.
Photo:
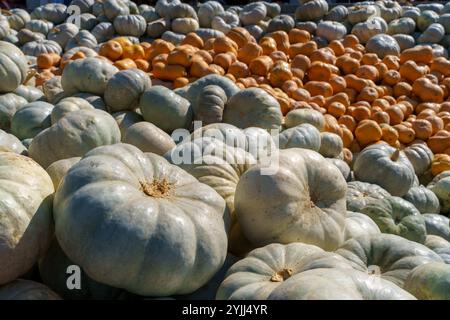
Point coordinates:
[(282, 275), (156, 189), (395, 155)]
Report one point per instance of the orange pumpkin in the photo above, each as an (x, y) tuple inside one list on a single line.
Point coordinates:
[(298, 36), (124, 64), (248, 52), (111, 50)]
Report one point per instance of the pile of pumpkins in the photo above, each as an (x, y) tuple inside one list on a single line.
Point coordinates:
[(319, 166)]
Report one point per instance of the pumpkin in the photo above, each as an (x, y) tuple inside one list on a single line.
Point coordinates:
[(440, 186), (359, 194), (304, 136), (21, 289), (74, 134), (383, 45), (368, 132), (114, 8), (130, 25), (418, 54), (31, 119), (440, 164), (252, 13), (437, 225), (159, 104), (148, 138), (281, 22), (299, 116), (253, 107), (338, 13), (10, 143), (361, 13), (82, 39), (54, 12), (87, 21), (423, 199), (184, 25), (342, 165), (426, 18), (397, 216), (225, 22), (125, 88), (313, 10), (386, 166), (18, 18), (156, 28), (367, 29), (301, 272), (440, 246), (331, 30), (210, 105), (330, 144), (433, 34), (262, 219), (386, 256), (9, 104), (358, 224), (161, 182), (87, 75), (429, 281), (67, 105), (62, 33), (207, 11), (27, 214), (58, 169), (125, 119), (13, 66), (39, 26), (404, 25)]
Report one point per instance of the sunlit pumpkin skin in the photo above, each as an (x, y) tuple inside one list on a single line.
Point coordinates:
[(269, 217), (440, 185), (28, 121), (342, 165), (430, 281), (87, 75), (330, 144), (26, 224), (14, 67), (30, 93), (125, 88), (423, 199), (210, 105), (73, 136), (300, 271), (359, 194), (438, 225), (9, 104), (304, 136), (300, 116), (358, 224), (58, 169), (440, 246), (10, 143), (386, 256), (165, 109), (27, 290), (397, 216), (68, 105), (253, 107), (420, 157), (384, 165), (148, 138), (192, 209)]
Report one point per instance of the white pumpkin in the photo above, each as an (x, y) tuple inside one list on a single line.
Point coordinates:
[(13, 67), (67, 105), (148, 138), (9, 143)]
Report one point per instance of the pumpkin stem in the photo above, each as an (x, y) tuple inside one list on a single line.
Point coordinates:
[(395, 155), (30, 75), (281, 275), (374, 270), (156, 189)]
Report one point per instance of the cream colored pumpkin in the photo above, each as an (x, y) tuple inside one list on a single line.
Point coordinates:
[(9, 143), (68, 105), (58, 169), (148, 138)]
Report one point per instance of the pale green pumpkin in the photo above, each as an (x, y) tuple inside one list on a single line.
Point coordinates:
[(30, 93), (13, 67), (430, 281), (358, 224), (31, 119), (58, 169), (331, 145), (148, 138), (423, 199), (300, 116), (26, 226), (9, 104), (73, 136), (359, 194), (438, 225), (440, 246), (62, 33), (126, 118), (386, 256), (304, 136), (298, 197), (10, 143), (128, 250), (440, 185), (68, 105)]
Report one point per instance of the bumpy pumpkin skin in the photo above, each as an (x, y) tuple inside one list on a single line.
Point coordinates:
[(165, 109), (440, 246), (300, 116), (441, 187), (338, 284), (68, 105), (148, 138), (10, 143), (26, 209), (187, 234), (73, 136), (420, 157), (360, 193), (430, 281), (58, 169), (358, 224), (210, 105), (13, 66), (27, 290), (87, 75), (438, 225), (302, 199), (387, 256), (397, 216), (253, 107), (380, 164), (53, 271), (125, 88), (9, 104), (423, 199)]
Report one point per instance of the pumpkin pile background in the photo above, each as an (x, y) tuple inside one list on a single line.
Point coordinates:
[(352, 101)]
